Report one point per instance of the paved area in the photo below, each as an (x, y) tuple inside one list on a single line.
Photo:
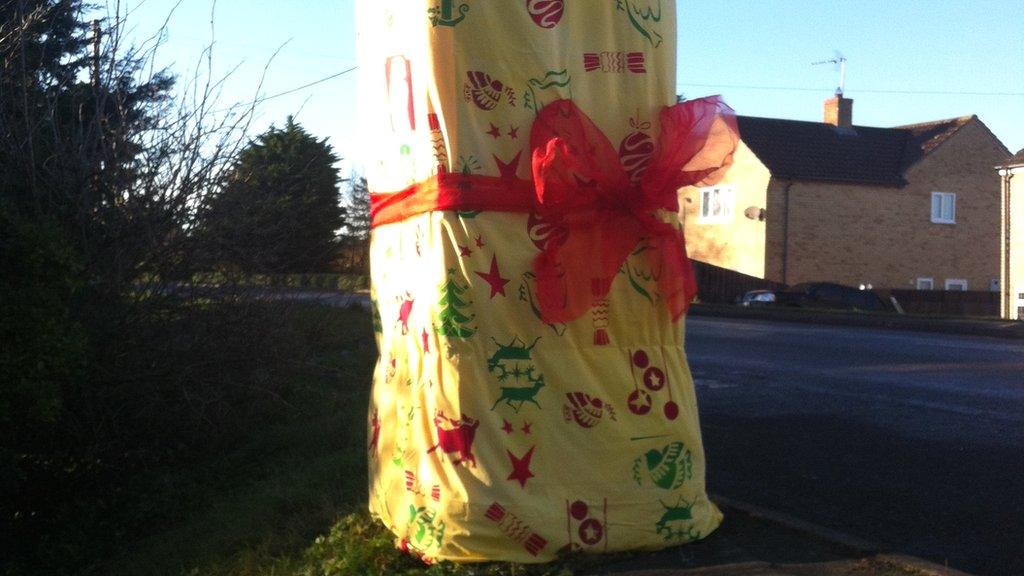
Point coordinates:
[(990, 327), (908, 439), (757, 542)]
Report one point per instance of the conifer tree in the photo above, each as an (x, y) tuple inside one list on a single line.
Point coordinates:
[(278, 210)]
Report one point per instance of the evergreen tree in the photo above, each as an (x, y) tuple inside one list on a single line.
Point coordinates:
[(42, 47), (357, 208), (355, 253), (278, 210), (71, 138)]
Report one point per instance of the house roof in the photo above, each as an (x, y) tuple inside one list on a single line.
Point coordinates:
[(927, 136), (800, 150), (1015, 160)]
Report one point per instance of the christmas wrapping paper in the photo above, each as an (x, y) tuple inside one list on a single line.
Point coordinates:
[(498, 430)]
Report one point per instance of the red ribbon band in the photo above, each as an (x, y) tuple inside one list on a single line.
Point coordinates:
[(581, 188)]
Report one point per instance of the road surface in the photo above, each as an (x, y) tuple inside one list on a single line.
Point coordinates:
[(911, 440)]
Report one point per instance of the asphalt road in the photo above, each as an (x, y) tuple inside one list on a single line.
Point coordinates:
[(911, 440)]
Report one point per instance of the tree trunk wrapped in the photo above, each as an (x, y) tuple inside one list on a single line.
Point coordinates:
[(532, 395)]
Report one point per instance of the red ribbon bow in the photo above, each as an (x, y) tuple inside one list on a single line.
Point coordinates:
[(582, 187)]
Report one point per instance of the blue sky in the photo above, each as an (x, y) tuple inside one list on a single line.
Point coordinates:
[(907, 61)]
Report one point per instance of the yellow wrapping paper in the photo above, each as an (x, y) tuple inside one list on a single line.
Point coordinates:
[(492, 435)]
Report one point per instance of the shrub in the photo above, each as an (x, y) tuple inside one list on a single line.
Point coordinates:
[(43, 347)]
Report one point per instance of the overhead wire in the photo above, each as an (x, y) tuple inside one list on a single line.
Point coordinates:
[(733, 86), (307, 85), (260, 100), (864, 91)]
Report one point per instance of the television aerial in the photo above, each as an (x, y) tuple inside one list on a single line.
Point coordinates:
[(840, 61)]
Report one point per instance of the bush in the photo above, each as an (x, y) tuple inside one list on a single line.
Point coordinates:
[(43, 347), (168, 399)]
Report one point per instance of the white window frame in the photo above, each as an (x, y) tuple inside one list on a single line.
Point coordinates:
[(719, 213), (943, 207), (926, 283), (956, 282)]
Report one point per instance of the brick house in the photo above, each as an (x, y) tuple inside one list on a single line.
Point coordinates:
[(1011, 241), (908, 207)]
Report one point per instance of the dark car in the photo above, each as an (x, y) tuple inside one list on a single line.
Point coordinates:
[(820, 295)]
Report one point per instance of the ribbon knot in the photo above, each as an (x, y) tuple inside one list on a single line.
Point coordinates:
[(582, 188)]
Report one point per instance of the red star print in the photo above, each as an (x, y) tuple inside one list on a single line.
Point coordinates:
[(507, 426), (494, 131), (520, 467), (426, 342), (480, 241), (526, 428), (493, 277), (464, 251), (513, 132), (507, 170)]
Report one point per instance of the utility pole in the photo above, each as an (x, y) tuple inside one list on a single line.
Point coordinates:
[(96, 34), (98, 119)]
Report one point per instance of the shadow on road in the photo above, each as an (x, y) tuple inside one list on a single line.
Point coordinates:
[(914, 497)]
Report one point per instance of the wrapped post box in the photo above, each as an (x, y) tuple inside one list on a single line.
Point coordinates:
[(528, 275)]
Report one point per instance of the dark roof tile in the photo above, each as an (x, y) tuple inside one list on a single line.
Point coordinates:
[(927, 136), (1016, 160), (799, 150)]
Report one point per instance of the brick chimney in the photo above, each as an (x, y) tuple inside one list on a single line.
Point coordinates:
[(839, 111)]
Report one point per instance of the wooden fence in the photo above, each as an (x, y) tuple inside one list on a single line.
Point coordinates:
[(717, 285), (948, 302)]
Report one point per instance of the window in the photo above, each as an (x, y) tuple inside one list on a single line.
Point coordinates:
[(943, 207), (716, 204), (925, 284), (958, 284)]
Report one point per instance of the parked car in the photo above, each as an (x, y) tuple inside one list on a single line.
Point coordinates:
[(758, 298), (820, 295)]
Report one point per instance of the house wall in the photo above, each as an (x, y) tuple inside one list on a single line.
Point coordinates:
[(836, 233), (776, 227), (1012, 263), (738, 244), (856, 234), (968, 249)]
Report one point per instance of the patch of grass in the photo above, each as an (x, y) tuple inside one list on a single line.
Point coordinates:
[(255, 502), (359, 545), (266, 500)]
